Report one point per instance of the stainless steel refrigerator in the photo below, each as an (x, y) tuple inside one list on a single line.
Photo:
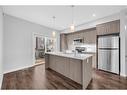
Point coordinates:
[(108, 54)]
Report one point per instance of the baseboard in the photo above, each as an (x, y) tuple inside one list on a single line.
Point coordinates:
[(5, 72), (123, 75), (1, 80)]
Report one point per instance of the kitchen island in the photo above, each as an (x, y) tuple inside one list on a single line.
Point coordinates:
[(77, 67)]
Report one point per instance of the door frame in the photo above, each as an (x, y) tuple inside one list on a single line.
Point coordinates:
[(33, 44)]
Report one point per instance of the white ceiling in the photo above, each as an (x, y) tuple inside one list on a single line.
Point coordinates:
[(43, 14)]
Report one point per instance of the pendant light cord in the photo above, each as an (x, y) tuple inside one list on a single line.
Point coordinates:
[(72, 14), (54, 21)]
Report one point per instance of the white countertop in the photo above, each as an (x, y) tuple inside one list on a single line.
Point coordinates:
[(71, 55)]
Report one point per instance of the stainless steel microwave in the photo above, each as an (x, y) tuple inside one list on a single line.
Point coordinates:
[(77, 41)]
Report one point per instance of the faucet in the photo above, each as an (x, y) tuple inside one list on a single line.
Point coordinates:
[(75, 52)]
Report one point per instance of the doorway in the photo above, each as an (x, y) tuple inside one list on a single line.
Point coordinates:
[(39, 49), (41, 45)]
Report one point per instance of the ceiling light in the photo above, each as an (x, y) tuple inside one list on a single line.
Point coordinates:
[(72, 27), (54, 33), (94, 15)]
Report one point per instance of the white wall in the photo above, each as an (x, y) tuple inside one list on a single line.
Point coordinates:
[(18, 42), (126, 41), (126, 35), (122, 36), (1, 46)]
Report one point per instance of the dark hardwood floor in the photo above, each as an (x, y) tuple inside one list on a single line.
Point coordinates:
[(39, 78)]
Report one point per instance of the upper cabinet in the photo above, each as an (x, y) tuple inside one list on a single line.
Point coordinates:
[(70, 38), (90, 36), (63, 42), (108, 28)]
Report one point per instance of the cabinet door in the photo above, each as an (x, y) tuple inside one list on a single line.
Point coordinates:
[(108, 28), (93, 36), (101, 29), (52, 63), (70, 38), (85, 34), (94, 64), (68, 41), (63, 42), (113, 27), (61, 65), (81, 35), (75, 36), (86, 72), (90, 37), (75, 70)]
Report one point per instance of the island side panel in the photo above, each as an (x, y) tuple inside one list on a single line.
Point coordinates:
[(46, 61), (86, 72)]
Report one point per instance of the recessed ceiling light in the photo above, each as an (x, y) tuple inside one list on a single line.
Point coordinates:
[(94, 15)]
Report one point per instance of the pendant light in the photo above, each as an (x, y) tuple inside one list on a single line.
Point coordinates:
[(54, 33), (72, 27)]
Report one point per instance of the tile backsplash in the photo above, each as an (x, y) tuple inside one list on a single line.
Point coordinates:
[(89, 47)]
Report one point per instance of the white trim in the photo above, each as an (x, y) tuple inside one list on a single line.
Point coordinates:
[(52, 39), (124, 75), (122, 36), (33, 46), (1, 81), (1, 46), (17, 69)]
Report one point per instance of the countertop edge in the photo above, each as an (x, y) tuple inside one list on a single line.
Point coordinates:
[(73, 57)]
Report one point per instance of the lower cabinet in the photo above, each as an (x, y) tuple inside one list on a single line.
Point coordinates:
[(94, 64), (53, 61), (61, 63), (68, 67), (75, 70)]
